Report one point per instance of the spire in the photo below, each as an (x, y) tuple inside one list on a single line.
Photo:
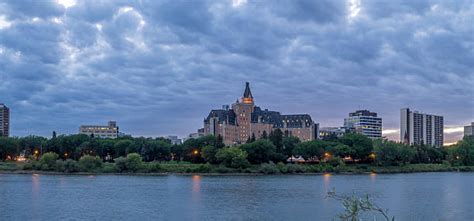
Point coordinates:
[(247, 93), (248, 98)]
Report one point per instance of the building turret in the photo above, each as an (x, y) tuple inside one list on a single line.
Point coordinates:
[(247, 98)]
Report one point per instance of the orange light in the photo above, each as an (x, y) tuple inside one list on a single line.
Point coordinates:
[(195, 152), (372, 156), (36, 152)]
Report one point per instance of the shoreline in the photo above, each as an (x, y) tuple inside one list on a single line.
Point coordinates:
[(31, 172)]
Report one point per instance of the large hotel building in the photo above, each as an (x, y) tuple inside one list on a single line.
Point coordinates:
[(243, 120), (4, 121), (419, 128)]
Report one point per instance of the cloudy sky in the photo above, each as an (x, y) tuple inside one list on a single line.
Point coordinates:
[(158, 67)]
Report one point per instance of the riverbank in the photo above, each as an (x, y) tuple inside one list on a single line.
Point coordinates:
[(161, 169)]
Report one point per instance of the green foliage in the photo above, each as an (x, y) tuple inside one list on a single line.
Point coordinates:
[(310, 149), (260, 151), (463, 152), (335, 162), (360, 144), (354, 206), (121, 164), (134, 162), (71, 166), (268, 168), (48, 161), (8, 147), (232, 157), (209, 154), (109, 168), (392, 153), (289, 144), (90, 163)]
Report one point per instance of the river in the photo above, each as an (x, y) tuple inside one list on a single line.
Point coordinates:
[(416, 196)]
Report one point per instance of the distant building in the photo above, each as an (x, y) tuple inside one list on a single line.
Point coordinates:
[(469, 130), (174, 139), (111, 130), (333, 132), (200, 133), (4, 121), (244, 120), (365, 122), (419, 128)]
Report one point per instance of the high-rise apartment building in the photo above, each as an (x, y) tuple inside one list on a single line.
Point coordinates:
[(365, 122), (469, 130), (244, 120), (111, 130), (419, 128), (4, 121)]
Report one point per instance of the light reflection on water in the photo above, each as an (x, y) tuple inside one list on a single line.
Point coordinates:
[(423, 196)]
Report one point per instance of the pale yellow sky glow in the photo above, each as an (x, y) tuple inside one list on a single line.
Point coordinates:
[(450, 130)]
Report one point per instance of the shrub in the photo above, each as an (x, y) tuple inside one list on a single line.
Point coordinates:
[(222, 169), (134, 162), (121, 164), (295, 168), (48, 161), (335, 161), (232, 157), (90, 163), (153, 167), (59, 167), (282, 167), (268, 168), (109, 168), (71, 166)]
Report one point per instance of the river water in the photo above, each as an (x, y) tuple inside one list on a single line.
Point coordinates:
[(417, 196)]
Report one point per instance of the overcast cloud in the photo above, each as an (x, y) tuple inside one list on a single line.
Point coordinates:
[(158, 67)]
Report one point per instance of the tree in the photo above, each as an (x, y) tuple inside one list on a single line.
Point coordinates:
[(360, 144), (311, 149), (209, 154), (232, 157), (463, 152), (264, 135), (8, 148), (276, 137), (289, 144), (392, 153), (260, 151)]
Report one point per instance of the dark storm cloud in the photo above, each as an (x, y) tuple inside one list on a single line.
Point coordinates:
[(158, 67)]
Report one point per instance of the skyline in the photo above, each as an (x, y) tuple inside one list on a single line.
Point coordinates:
[(157, 74)]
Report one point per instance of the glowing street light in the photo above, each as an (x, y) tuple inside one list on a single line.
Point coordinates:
[(195, 152)]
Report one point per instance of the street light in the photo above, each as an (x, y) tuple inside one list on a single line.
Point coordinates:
[(195, 152)]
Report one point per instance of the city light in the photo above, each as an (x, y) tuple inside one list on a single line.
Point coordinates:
[(195, 152)]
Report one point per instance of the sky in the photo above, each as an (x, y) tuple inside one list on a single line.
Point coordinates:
[(159, 67)]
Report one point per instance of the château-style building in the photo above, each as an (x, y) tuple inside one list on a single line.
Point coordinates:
[(244, 120)]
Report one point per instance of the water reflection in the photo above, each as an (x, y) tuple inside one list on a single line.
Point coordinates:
[(196, 179)]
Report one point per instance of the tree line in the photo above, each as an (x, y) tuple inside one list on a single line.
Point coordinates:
[(276, 147)]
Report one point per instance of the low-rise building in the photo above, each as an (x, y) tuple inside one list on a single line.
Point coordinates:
[(111, 130), (174, 139), (333, 132)]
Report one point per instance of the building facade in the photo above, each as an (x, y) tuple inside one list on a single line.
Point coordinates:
[(111, 130), (419, 128), (334, 132), (365, 122), (469, 130), (236, 124), (4, 121)]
